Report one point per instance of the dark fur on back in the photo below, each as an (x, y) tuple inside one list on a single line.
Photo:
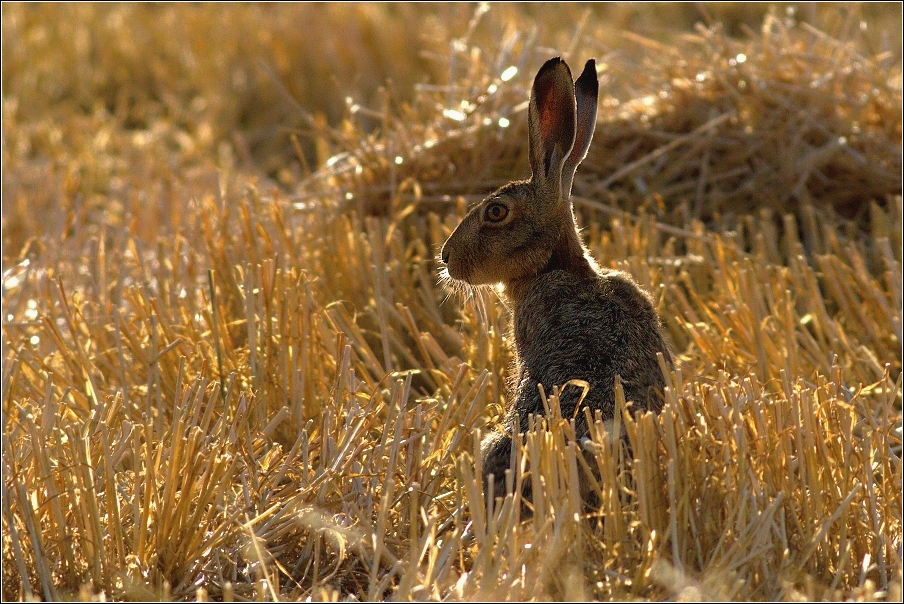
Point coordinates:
[(591, 329)]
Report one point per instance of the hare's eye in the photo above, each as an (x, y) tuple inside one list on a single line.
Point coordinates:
[(496, 212)]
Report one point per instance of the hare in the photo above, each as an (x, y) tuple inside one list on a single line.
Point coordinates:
[(570, 318)]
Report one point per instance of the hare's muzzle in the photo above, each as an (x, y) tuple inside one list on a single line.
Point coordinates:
[(453, 270)]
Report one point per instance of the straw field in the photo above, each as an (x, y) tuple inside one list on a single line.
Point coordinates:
[(230, 371)]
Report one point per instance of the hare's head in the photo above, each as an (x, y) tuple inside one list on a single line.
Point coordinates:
[(513, 233)]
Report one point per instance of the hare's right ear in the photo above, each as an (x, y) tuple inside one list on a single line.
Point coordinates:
[(551, 124)]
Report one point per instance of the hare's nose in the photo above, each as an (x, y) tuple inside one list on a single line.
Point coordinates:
[(444, 254)]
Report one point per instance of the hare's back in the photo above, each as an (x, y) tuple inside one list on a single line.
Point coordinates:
[(561, 303), (593, 329)]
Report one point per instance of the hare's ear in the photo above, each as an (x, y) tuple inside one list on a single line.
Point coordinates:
[(586, 92), (551, 123)]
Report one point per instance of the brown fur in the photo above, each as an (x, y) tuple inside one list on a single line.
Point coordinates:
[(571, 320)]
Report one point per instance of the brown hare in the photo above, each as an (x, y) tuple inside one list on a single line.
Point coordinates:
[(570, 319)]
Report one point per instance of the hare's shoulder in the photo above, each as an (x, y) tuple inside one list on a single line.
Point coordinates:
[(611, 290), (620, 286), (602, 310)]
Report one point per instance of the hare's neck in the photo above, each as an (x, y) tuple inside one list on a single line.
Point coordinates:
[(568, 254)]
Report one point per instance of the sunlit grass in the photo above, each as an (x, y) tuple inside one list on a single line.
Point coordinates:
[(230, 370)]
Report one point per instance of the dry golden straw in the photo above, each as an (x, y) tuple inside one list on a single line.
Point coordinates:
[(229, 371)]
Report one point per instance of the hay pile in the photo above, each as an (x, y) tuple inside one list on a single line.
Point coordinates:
[(215, 386), (726, 128)]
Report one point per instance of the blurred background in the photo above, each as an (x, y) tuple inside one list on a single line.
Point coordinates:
[(241, 79)]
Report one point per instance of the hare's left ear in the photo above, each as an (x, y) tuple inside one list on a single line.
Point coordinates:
[(551, 125), (586, 92)]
